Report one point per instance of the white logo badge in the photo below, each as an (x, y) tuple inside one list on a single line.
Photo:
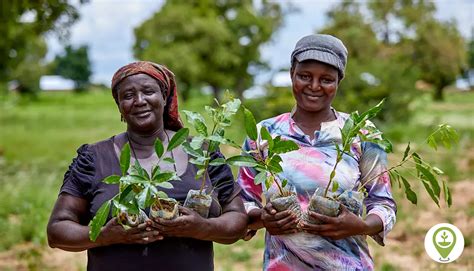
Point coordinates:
[(444, 243)]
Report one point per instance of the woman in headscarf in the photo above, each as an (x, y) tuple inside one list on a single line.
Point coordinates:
[(146, 96), (317, 67)]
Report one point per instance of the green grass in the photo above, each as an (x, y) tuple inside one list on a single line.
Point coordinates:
[(38, 140)]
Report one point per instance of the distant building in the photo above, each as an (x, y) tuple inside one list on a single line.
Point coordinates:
[(56, 83)]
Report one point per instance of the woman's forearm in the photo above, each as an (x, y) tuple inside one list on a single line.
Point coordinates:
[(255, 219), (373, 224), (71, 236), (225, 229)]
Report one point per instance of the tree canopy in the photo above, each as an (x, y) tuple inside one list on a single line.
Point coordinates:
[(209, 43), (75, 65), (22, 25)]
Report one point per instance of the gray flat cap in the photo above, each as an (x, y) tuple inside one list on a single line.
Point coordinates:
[(324, 48)]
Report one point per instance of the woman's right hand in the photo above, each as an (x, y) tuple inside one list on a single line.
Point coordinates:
[(278, 223), (114, 233)]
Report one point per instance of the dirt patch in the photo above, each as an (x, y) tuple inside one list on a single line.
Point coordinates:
[(404, 248)]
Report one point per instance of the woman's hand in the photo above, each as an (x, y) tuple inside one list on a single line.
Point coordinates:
[(114, 233), (278, 223), (344, 225), (189, 224)]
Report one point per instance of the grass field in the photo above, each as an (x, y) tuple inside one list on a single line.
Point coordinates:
[(38, 140)]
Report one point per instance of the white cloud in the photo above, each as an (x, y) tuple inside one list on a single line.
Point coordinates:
[(107, 27)]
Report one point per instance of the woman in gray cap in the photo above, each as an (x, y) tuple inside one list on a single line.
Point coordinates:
[(317, 68)]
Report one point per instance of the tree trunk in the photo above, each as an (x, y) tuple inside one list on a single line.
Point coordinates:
[(438, 94)]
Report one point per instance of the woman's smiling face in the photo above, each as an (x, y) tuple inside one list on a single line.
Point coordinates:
[(314, 85), (141, 102)]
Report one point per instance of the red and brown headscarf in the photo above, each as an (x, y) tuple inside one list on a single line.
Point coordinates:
[(165, 79)]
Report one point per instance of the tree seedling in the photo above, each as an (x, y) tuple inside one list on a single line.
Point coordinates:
[(138, 189)]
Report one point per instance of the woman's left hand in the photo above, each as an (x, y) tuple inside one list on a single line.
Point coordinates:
[(189, 224), (344, 225)]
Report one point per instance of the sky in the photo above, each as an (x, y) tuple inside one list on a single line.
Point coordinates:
[(107, 27)]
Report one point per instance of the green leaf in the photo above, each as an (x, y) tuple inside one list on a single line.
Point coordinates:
[(127, 194), (163, 177), (169, 160), (166, 185), (189, 150), (217, 162), (159, 149), (437, 171), (411, 196), (200, 127), (154, 170), (274, 164), (260, 177), (99, 220), (407, 151), (197, 121), (201, 160), (432, 143), (231, 107), (335, 186), (284, 183), (447, 194), (332, 175), (178, 138), (348, 126), (250, 125), (372, 112), (161, 195), (200, 173), (217, 138), (269, 182), (125, 159), (112, 179), (145, 198), (266, 136), (430, 192), (196, 142), (284, 146), (430, 178), (242, 161)]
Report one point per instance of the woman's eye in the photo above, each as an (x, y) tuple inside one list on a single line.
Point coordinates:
[(149, 92), (127, 96), (305, 77), (327, 80)]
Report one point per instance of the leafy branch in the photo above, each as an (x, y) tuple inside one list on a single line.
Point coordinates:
[(137, 189), (357, 125), (266, 158), (204, 143), (425, 172)]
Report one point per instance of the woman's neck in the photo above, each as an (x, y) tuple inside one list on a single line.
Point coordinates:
[(311, 121), (141, 140)]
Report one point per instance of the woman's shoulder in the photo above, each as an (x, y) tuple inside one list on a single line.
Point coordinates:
[(90, 151), (275, 120)]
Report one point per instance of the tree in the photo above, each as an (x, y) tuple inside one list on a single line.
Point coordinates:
[(439, 53), (375, 69), (209, 43), (437, 48), (23, 23), (75, 65)]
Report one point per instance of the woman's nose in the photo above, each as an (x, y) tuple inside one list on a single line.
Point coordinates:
[(315, 85), (140, 99)]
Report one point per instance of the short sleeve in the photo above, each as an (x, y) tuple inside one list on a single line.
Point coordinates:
[(251, 193), (379, 200), (79, 178), (222, 180)]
